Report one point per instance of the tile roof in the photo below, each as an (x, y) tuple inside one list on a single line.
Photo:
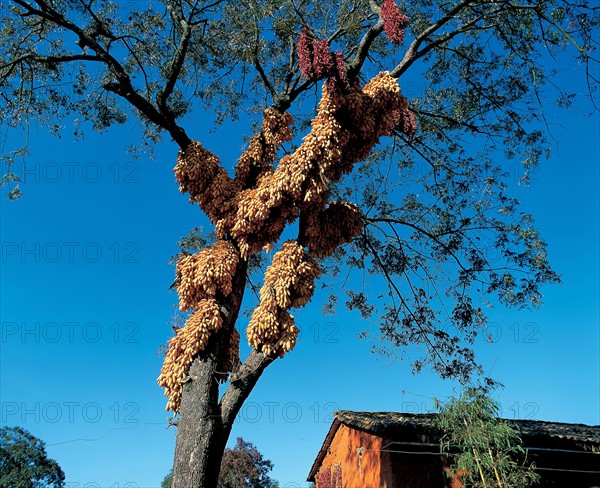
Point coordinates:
[(535, 433)]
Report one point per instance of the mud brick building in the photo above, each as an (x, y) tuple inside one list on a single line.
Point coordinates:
[(401, 450)]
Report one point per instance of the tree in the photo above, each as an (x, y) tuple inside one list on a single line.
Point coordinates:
[(490, 451), (167, 481), (241, 467), (431, 212), (244, 467), (24, 463)]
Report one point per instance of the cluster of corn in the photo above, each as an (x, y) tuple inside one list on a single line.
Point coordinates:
[(272, 330), (347, 126), (331, 227), (289, 282), (330, 133), (200, 277), (187, 343), (276, 127), (262, 149), (205, 273), (288, 335), (264, 211), (366, 115), (199, 172), (291, 276), (384, 92)]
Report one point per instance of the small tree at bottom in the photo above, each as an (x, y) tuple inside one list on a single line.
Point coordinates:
[(24, 462), (487, 452)]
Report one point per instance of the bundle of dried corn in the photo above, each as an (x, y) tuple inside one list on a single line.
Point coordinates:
[(289, 282), (272, 330), (206, 273), (262, 149), (199, 172), (347, 126), (291, 276), (183, 348), (329, 228)]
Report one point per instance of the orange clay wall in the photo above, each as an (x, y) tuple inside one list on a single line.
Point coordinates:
[(376, 469), (358, 471)]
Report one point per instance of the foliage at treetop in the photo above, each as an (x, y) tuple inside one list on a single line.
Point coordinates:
[(490, 451), (24, 462)]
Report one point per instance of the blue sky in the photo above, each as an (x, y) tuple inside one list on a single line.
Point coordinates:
[(85, 306)]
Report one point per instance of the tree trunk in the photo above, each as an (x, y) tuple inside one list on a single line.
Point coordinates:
[(201, 432), (200, 437), (204, 425)]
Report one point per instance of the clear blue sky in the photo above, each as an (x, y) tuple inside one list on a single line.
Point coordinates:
[(85, 306)]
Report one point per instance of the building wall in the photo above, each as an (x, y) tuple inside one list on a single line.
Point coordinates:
[(419, 469), (359, 455), (365, 465)]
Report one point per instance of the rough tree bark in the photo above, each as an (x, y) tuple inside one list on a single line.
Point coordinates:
[(204, 424), (200, 435)]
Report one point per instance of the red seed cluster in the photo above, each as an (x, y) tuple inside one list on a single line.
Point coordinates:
[(183, 348), (328, 229), (406, 121), (206, 273), (199, 173), (289, 282), (318, 62), (338, 77), (394, 21), (314, 57)]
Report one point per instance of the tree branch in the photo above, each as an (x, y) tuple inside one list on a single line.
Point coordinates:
[(257, 64), (241, 384), (422, 231), (175, 66), (363, 49), (123, 86), (282, 103), (390, 282), (50, 60), (412, 53)]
